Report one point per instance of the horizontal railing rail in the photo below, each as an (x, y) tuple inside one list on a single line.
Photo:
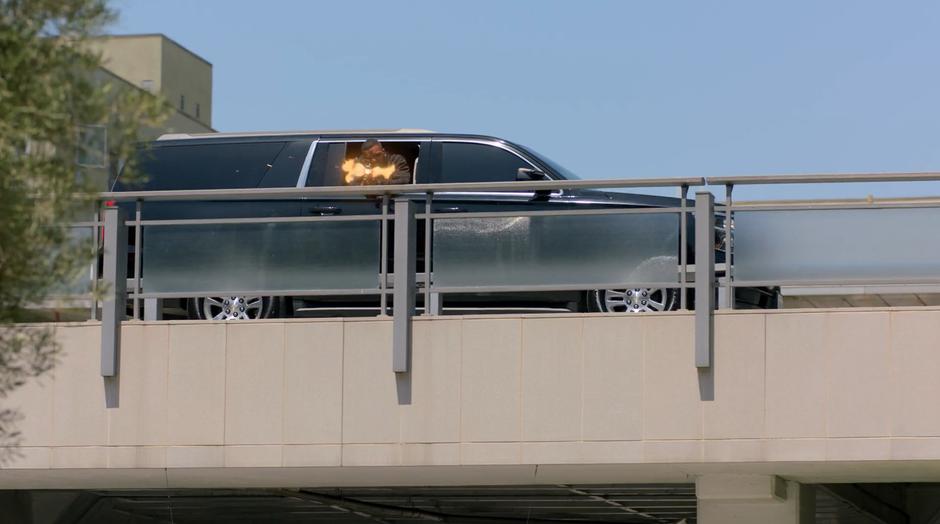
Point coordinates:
[(822, 178), (281, 193)]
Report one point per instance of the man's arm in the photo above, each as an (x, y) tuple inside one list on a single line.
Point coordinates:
[(402, 174)]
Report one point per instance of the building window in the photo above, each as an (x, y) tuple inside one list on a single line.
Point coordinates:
[(92, 146), (182, 103), (197, 109)]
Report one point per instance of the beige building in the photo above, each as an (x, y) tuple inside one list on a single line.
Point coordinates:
[(156, 64), (161, 66)]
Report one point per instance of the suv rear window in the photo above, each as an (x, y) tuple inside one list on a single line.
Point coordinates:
[(203, 166), (478, 163)]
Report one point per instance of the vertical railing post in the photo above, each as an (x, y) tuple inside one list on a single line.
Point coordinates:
[(138, 234), (726, 299), (114, 305), (383, 277), (403, 298), (704, 277), (428, 232), (683, 247), (153, 309), (96, 236)]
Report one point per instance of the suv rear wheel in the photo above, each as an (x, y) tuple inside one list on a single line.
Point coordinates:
[(232, 308), (636, 300)]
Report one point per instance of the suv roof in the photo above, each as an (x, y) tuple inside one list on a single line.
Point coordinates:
[(175, 139), (187, 136)]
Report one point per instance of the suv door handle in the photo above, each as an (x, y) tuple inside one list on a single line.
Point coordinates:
[(325, 210)]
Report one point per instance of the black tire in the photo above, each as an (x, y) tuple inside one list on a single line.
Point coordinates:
[(633, 300), (230, 308)]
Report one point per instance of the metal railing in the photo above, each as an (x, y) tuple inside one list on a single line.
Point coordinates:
[(731, 209), (399, 211), (397, 206)]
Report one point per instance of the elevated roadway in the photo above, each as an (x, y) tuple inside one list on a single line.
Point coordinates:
[(794, 397)]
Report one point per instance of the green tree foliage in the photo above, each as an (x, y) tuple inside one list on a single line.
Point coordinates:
[(51, 91)]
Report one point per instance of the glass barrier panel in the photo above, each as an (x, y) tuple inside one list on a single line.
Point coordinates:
[(555, 250), (846, 244), (264, 257)]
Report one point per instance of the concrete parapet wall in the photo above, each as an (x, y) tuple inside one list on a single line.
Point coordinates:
[(821, 395)]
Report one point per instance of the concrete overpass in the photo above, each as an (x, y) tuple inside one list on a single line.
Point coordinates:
[(795, 397), (712, 415)]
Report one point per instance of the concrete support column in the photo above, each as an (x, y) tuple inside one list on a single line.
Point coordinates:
[(768, 499)]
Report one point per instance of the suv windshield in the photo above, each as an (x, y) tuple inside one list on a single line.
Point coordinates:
[(556, 167)]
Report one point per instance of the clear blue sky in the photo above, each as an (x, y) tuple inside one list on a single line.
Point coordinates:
[(610, 89)]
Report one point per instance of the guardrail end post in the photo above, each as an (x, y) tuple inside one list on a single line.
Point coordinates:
[(403, 297), (704, 278), (114, 275)]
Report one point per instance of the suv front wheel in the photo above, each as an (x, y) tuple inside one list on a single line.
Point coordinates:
[(232, 308), (636, 300)]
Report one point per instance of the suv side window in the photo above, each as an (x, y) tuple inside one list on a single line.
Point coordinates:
[(326, 168), (287, 166), (463, 162), (204, 166), (326, 165)]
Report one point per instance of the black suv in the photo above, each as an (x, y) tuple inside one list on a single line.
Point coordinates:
[(314, 159)]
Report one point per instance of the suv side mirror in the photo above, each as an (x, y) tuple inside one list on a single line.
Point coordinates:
[(526, 174)]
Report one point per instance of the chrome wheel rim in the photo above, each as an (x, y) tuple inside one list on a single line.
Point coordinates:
[(232, 308), (636, 300)]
